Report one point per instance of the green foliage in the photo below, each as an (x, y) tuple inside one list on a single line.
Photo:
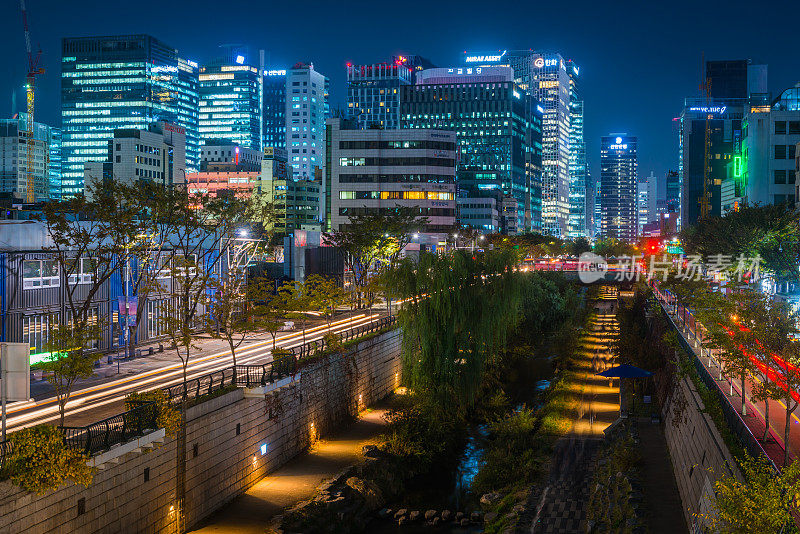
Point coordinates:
[(766, 502), (373, 241), (610, 507), (41, 461), (613, 248), (167, 416), (460, 312), (770, 232), (325, 295), (419, 434)]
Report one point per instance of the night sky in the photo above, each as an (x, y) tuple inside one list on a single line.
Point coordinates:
[(638, 60)]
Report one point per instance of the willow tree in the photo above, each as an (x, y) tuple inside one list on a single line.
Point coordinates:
[(460, 312)]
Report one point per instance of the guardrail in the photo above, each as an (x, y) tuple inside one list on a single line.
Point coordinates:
[(733, 419), (120, 428), (263, 374)]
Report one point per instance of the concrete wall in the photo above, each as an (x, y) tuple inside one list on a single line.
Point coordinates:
[(222, 461), (698, 452)]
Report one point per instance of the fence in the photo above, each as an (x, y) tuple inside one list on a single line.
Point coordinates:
[(263, 374), (733, 419), (121, 428)]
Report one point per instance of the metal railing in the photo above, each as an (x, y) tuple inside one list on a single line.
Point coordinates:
[(120, 428), (733, 419), (267, 373)]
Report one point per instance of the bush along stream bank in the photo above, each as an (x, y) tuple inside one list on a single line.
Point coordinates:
[(472, 431)]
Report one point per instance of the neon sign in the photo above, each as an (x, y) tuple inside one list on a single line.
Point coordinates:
[(737, 166), (274, 73), (469, 70), (485, 59), (709, 109), (540, 62)]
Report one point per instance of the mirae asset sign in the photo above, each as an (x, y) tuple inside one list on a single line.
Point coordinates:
[(485, 59)]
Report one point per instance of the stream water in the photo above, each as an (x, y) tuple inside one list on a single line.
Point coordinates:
[(450, 486)]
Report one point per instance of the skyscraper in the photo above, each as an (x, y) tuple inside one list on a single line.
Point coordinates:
[(646, 197), (13, 158), (275, 108), (618, 180), (730, 87), (127, 82), (577, 160), (232, 100), (498, 130), (373, 93), (306, 110), (546, 78)]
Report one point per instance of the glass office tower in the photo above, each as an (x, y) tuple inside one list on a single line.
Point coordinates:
[(578, 219), (124, 81), (275, 108), (373, 93), (498, 130), (231, 101), (618, 180)]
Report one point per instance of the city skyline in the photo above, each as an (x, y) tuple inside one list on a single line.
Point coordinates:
[(638, 89)]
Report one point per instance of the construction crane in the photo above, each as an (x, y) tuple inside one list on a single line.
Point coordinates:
[(33, 70), (705, 200)]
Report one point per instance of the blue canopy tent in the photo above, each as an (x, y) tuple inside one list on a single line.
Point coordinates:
[(625, 371)]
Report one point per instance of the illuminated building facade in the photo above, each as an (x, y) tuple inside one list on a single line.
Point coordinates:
[(121, 82), (376, 170), (547, 79), (732, 87), (618, 181), (14, 158), (373, 93), (762, 171), (231, 101), (498, 130), (222, 156), (155, 154), (55, 163), (306, 110), (274, 83), (579, 215)]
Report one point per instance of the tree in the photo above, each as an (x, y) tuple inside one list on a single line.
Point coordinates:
[(266, 307), (87, 235), (613, 248), (770, 232), (765, 502), (41, 460), (326, 296), (295, 299), (203, 233), (373, 239), (460, 310), (229, 298)]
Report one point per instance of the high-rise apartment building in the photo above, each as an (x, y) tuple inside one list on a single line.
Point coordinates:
[(373, 93), (306, 111), (274, 108), (121, 82), (618, 181), (232, 100), (14, 158), (498, 130)]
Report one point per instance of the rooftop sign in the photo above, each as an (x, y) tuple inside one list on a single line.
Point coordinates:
[(485, 59)]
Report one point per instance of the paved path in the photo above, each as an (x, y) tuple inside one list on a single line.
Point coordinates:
[(661, 498), (755, 417), (562, 504), (296, 481)]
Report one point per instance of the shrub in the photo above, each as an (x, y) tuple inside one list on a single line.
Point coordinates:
[(167, 416), (40, 460)]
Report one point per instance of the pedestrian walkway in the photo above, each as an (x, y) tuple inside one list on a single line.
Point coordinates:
[(562, 503), (296, 481), (662, 500)]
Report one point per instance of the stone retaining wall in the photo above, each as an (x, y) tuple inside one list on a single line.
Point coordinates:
[(698, 452), (225, 438)]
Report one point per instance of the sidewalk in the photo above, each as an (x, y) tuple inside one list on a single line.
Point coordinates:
[(661, 497), (296, 481), (754, 420)]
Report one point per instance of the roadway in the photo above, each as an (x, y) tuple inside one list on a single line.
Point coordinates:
[(104, 394)]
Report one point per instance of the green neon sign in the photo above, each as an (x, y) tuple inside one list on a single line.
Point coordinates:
[(737, 166)]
